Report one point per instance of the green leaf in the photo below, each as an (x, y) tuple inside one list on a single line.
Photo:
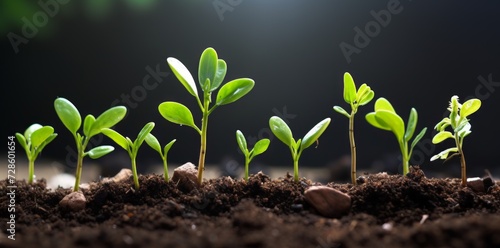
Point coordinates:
[(260, 147), (234, 90), (445, 122), (68, 114), (416, 140), (40, 135), (370, 118), (365, 97), (116, 137), (444, 154), (412, 124), (393, 121), (183, 75), (349, 88), (242, 143), (439, 137), (208, 66), (108, 119), (142, 134), (100, 151), (168, 146), (219, 75), (152, 141), (341, 111), (46, 142), (314, 133), (177, 113), (87, 124), (30, 130), (22, 141), (469, 107), (383, 104), (281, 130)]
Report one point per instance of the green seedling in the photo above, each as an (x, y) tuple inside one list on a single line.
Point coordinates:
[(132, 147), (259, 148), (211, 73), (355, 98), (281, 130), (458, 121), (92, 126), (153, 142), (386, 118), (34, 139)]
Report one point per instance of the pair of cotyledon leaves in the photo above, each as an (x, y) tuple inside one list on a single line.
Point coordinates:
[(354, 97), (211, 73), (259, 147), (71, 118), (458, 121), (35, 138)]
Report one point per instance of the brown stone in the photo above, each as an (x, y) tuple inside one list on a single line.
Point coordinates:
[(328, 202), (75, 201), (186, 177), (123, 175)]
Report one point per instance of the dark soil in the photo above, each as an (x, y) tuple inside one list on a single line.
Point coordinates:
[(387, 211)]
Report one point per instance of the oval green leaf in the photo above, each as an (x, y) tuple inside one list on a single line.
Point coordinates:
[(349, 88), (469, 107), (46, 141), (116, 137), (142, 134), (281, 130), (30, 130), (183, 75), (366, 98), (219, 75), (411, 125), (177, 113), (100, 151), (153, 142), (393, 121), (260, 147), (22, 141), (208, 66), (68, 114), (87, 124), (314, 133), (444, 154), (383, 104), (341, 111), (370, 118), (168, 146), (234, 90), (40, 135), (439, 137), (242, 143), (108, 119)]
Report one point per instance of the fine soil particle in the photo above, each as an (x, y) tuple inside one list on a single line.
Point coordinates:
[(387, 211)]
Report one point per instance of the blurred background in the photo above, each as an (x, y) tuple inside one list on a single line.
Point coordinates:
[(99, 53)]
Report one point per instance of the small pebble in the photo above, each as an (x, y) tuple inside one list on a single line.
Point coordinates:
[(186, 177), (75, 201), (327, 201)]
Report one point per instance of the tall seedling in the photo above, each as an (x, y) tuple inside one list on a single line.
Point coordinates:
[(211, 73)]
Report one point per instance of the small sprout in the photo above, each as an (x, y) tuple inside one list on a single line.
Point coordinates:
[(34, 139), (259, 148), (211, 73), (92, 126), (153, 142), (281, 130), (132, 147), (386, 118), (355, 98), (461, 128)]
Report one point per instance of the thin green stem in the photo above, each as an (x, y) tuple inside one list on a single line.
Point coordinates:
[(353, 149), (165, 169), (31, 170), (462, 160), (79, 164), (296, 169), (405, 162), (247, 162), (134, 172), (203, 145)]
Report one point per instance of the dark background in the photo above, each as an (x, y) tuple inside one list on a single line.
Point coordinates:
[(92, 52)]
